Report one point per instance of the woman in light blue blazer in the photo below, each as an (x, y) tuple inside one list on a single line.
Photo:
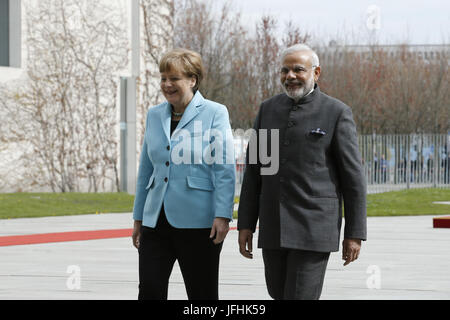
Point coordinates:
[(185, 186)]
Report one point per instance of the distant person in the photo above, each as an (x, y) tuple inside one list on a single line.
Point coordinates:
[(383, 166), (445, 163), (420, 170), (299, 208), (413, 162), (430, 168), (182, 208), (404, 169), (401, 169), (375, 169)]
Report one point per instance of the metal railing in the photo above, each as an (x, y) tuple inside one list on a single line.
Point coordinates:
[(391, 162), (396, 162)]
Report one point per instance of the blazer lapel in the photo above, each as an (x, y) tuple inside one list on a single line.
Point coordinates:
[(165, 120), (190, 113)]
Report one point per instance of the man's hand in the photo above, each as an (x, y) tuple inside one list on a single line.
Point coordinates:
[(219, 229), (245, 243), (350, 250), (136, 233)]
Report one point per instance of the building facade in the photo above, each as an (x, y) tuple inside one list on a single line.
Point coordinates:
[(39, 74)]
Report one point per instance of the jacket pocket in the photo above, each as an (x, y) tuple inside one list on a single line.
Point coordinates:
[(200, 183), (150, 183)]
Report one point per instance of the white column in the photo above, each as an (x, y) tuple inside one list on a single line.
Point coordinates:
[(135, 36), (128, 147), (131, 97)]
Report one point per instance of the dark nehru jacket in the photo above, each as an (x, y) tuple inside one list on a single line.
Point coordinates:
[(300, 207)]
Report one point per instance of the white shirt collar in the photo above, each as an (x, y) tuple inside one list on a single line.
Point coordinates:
[(309, 92)]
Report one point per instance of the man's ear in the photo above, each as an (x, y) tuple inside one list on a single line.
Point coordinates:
[(316, 73)]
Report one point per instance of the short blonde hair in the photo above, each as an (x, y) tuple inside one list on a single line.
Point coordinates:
[(185, 61)]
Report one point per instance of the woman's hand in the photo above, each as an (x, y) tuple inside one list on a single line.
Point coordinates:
[(219, 229), (136, 233)]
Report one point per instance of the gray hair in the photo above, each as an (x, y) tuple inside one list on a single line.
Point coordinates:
[(301, 47)]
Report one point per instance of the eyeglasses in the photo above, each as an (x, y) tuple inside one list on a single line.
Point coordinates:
[(297, 70)]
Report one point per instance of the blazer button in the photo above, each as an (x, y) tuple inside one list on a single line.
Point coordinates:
[(165, 179), (168, 147), (290, 124), (295, 108), (286, 142), (167, 163)]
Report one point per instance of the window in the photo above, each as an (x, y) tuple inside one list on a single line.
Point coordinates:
[(4, 33), (10, 33)]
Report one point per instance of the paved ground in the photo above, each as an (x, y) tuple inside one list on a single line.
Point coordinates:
[(405, 258)]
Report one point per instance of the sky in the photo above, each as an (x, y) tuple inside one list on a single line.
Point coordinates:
[(406, 21)]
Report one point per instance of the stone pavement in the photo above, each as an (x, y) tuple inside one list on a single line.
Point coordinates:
[(404, 258)]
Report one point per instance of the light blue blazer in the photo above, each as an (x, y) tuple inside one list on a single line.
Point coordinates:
[(191, 172)]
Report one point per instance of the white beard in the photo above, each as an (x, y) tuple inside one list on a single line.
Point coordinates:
[(299, 93)]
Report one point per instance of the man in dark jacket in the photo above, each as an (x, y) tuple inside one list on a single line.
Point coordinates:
[(300, 206)]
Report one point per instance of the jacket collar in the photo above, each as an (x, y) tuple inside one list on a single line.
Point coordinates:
[(190, 112)]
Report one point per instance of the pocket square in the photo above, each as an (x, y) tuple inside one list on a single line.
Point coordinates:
[(318, 132)]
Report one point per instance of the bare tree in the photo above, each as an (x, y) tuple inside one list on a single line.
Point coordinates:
[(242, 67), (66, 110), (221, 40), (157, 37), (396, 91), (388, 93)]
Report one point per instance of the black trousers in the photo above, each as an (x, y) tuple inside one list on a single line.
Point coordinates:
[(197, 255), (294, 274)]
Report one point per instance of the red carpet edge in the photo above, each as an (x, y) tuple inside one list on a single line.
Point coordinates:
[(65, 236)]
